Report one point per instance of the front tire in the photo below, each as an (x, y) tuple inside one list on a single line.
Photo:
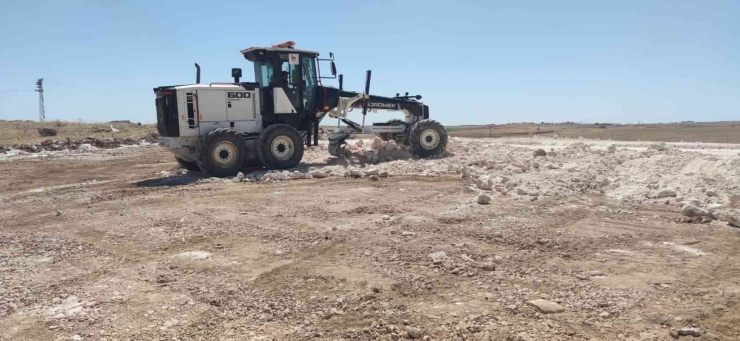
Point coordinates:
[(427, 138), (281, 147), (221, 152), (188, 165)]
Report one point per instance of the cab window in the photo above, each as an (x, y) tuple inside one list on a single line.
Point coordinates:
[(289, 72), (309, 81), (263, 73)]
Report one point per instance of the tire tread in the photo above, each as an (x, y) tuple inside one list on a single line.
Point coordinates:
[(202, 151), (415, 135)]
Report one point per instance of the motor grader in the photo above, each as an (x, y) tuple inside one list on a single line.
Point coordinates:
[(219, 128)]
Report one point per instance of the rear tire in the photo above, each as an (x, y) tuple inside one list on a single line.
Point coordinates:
[(427, 138), (221, 152), (281, 147), (189, 165)]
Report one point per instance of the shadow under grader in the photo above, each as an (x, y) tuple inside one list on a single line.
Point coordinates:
[(171, 181)]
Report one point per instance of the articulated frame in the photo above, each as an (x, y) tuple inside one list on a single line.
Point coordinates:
[(352, 129), (346, 104)]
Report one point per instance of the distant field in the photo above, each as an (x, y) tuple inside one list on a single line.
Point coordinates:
[(716, 132), (26, 132)]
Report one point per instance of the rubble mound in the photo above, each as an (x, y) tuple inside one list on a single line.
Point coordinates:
[(635, 172), (86, 144)]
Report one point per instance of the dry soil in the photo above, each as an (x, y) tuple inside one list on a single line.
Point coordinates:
[(103, 246)]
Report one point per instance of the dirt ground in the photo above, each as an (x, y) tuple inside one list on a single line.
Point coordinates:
[(104, 248)]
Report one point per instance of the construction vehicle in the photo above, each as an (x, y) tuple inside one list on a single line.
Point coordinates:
[(219, 128)]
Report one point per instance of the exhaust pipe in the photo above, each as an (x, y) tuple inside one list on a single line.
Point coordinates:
[(197, 73)]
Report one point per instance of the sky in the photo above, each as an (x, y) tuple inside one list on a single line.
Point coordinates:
[(473, 61)]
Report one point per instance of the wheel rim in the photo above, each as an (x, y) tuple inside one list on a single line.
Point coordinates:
[(224, 154), (282, 148), (429, 139)]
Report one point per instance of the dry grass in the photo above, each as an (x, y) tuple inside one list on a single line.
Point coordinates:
[(720, 132), (26, 132)]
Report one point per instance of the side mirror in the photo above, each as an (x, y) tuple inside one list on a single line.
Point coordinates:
[(333, 69)]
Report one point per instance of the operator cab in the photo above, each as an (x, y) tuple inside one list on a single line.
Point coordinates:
[(288, 78)]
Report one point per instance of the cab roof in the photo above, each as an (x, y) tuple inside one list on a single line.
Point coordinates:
[(287, 47)]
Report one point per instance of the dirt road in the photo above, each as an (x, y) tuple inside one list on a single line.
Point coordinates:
[(102, 248)]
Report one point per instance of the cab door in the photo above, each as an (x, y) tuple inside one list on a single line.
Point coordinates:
[(288, 92), (308, 64)]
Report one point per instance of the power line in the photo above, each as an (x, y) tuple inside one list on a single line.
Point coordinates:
[(4, 91)]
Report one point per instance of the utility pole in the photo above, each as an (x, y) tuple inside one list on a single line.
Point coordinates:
[(40, 90)]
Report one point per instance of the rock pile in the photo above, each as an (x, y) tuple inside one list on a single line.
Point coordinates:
[(377, 151), (639, 173), (629, 171), (86, 144), (312, 173)]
